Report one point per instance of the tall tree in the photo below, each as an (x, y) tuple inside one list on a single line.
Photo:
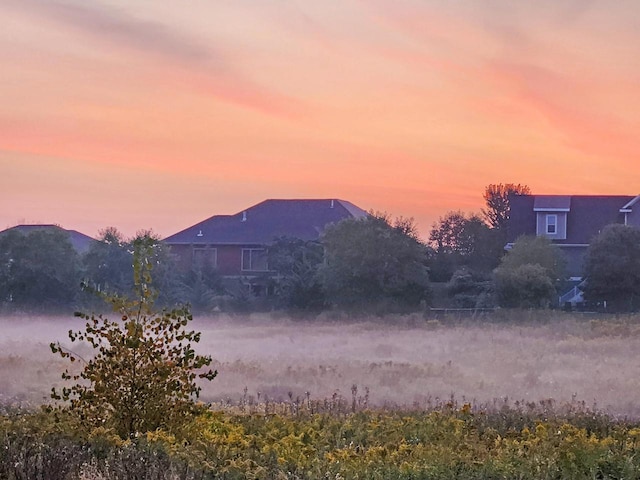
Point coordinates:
[(461, 240), (371, 260), (40, 269), (108, 265), (455, 233), (108, 262), (612, 268), (498, 209), (297, 263)]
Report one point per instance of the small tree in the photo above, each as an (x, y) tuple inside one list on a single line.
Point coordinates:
[(612, 268), (529, 273), (526, 286), (143, 376)]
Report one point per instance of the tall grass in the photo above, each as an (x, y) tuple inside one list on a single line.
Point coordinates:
[(402, 360)]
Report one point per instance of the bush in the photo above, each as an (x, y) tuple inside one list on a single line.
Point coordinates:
[(529, 274), (526, 286), (469, 290), (143, 375)]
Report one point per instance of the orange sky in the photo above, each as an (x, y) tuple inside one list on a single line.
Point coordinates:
[(158, 114)]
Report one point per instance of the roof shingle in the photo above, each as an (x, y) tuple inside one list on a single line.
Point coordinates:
[(262, 223)]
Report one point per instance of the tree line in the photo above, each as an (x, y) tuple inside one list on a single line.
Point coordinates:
[(373, 263)]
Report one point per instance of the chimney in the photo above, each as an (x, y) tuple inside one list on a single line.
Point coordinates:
[(244, 216), (332, 203)]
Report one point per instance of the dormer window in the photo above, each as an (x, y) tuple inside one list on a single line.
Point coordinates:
[(552, 212), (552, 224)]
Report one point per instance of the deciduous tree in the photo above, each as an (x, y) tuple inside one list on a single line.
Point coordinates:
[(498, 209), (460, 240), (143, 374), (529, 273), (40, 269), (108, 262), (526, 286), (296, 263), (372, 260), (612, 268)]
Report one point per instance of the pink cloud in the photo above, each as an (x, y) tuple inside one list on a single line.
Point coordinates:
[(566, 103)]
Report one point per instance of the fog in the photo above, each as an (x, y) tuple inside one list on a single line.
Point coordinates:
[(400, 360)]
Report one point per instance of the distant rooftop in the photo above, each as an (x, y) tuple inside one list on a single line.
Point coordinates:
[(556, 203), (267, 220), (79, 241)]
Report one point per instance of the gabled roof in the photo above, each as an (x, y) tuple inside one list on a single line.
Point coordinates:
[(262, 223), (627, 207), (586, 217), (79, 241)]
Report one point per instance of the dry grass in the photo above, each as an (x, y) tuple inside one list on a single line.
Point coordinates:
[(401, 360)]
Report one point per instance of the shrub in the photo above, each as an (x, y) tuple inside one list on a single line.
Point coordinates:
[(527, 286), (528, 274), (143, 375)]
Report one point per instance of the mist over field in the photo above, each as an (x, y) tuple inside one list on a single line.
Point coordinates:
[(400, 360)]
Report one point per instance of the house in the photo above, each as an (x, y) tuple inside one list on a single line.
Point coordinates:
[(570, 221), (236, 244), (79, 241)]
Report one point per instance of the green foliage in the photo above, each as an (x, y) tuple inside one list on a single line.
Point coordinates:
[(526, 286), (143, 374), (107, 264), (528, 275), (536, 251), (369, 261), (202, 288), (38, 270), (296, 264), (459, 240), (612, 268), (496, 197), (470, 290), (455, 233)]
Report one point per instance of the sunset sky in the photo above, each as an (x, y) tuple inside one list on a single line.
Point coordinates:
[(158, 114)]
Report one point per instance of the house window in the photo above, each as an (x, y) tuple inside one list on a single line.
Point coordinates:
[(254, 260), (205, 257), (552, 224)]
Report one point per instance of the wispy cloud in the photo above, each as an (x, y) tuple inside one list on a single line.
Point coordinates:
[(116, 26), (564, 102), (188, 60)]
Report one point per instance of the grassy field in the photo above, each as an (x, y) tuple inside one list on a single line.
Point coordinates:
[(393, 361), (398, 397)]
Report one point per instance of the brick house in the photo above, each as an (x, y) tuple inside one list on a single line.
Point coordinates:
[(570, 221), (237, 244)]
